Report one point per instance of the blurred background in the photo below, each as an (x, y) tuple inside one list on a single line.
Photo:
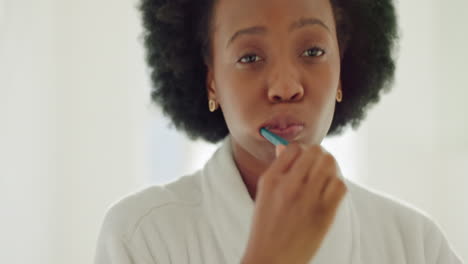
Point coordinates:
[(78, 131)]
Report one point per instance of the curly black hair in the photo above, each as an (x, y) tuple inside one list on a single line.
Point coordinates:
[(177, 41)]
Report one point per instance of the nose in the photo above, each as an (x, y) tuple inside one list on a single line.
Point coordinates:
[(285, 86)]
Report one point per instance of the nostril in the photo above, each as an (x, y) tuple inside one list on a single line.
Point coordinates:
[(277, 98), (285, 93)]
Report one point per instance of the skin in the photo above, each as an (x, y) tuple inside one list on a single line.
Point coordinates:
[(275, 70)]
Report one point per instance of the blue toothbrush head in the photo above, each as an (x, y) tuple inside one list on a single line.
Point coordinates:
[(273, 138)]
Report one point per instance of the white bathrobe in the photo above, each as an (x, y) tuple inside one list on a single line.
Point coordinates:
[(205, 218)]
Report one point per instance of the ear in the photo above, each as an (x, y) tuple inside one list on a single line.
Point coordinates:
[(210, 83)]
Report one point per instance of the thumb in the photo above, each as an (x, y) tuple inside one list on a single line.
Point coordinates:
[(279, 148)]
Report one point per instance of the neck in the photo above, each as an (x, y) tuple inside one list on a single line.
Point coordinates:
[(250, 168)]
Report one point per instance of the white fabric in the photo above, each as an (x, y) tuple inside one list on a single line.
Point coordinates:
[(205, 218)]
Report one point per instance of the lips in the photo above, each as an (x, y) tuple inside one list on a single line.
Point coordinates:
[(285, 126)]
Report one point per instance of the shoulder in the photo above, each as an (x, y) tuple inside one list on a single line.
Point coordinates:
[(124, 216), (397, 222), (369, 202), (386, 216)]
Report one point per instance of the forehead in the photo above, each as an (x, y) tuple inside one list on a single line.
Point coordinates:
[(231, 15)]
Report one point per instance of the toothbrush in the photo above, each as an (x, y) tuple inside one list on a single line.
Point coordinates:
[(273, 138)]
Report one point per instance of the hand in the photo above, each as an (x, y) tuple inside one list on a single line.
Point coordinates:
[(296, 202)]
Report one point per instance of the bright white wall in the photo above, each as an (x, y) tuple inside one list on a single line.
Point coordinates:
[(415, 142), (77, 130), (74, 124), (31, 219)]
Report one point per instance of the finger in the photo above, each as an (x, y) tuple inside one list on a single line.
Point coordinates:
[(333, 193), (316, 179), (319, 174), (297, 174), (279, 148), (285, 159)]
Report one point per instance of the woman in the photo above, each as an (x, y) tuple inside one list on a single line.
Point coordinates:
[(303, 69)]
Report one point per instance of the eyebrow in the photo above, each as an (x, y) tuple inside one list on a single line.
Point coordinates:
[(294, 26)]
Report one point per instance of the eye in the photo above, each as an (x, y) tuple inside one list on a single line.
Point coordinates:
[(250, 58), (313, 52)]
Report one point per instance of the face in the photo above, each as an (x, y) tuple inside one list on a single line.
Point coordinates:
[(274, 63)]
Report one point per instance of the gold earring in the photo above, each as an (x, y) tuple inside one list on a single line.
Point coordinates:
[(339, 96), (212, 105)]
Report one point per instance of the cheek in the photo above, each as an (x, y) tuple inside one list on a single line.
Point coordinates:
[(327, 100), (320, 85), (238, 95), (237, 85)]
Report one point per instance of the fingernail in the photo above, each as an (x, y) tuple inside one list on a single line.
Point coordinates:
[(279, 148)]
